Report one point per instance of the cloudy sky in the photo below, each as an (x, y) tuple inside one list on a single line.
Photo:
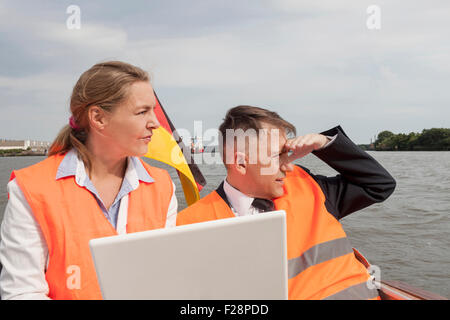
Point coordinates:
[(315, 62)]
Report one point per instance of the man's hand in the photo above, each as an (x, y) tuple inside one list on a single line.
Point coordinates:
[(303, 145)]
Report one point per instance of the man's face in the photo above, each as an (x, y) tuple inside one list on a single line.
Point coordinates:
[(265, 177)]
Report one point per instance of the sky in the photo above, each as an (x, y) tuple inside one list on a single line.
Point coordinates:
[(317, 63)]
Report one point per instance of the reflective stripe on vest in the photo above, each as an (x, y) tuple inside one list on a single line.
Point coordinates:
[(318, 254), (326, 251), (357, 291)]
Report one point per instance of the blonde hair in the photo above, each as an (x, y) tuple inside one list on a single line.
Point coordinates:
[(104, 85)]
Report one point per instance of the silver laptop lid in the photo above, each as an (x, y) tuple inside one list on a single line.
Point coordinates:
[(235, 258)]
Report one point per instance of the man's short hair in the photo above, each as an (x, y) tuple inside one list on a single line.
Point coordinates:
[(248, 117)]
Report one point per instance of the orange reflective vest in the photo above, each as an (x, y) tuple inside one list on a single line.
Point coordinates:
[(321, 262), (69, 216)]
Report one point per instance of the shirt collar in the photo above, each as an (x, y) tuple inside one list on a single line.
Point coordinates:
[(72, 165), (240, 202), (136, 171), (68, 166)]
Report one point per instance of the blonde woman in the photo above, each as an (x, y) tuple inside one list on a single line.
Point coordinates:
[(92, 185)]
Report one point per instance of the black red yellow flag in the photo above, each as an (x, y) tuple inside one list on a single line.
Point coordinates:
[(167, 146)]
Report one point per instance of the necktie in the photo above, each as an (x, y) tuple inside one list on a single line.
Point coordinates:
[(263, 204)]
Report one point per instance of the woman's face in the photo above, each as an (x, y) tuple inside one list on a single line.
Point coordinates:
[(130, 126)]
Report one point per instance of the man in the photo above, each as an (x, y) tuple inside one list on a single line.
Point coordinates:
[(321, 262)]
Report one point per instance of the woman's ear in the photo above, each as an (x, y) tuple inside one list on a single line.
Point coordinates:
[(97, 117)]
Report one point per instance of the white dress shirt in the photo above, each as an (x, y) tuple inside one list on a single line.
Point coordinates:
[(241, 204), (23, 249)]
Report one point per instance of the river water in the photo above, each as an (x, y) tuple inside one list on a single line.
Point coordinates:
[(407, 236)]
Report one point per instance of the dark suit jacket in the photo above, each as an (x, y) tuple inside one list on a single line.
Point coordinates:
[(361, 181)]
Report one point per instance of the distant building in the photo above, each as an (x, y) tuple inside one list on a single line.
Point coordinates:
[(33, 145)]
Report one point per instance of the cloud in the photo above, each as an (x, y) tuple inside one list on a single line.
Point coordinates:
[(316, 63), (37, 82), (90, 37)]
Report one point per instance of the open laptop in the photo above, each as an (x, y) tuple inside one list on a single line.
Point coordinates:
[(235, 258)]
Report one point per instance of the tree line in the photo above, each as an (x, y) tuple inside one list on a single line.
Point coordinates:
[(435, 139)]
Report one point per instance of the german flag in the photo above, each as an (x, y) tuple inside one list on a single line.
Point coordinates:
[(166, 146)]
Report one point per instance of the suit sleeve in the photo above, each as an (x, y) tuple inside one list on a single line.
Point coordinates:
[(361, 181)]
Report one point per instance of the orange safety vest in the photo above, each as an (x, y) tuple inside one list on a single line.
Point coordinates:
[(69, 216), (321, 262)]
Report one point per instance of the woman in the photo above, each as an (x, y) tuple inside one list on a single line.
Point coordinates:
[(92, 185)]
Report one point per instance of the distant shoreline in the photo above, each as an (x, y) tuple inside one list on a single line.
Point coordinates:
[(365, 148), (434, 139), (25, 153)]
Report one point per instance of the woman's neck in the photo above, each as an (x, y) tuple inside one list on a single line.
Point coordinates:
[(103, 166), (104, 163)]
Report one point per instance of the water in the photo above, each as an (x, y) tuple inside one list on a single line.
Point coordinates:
[(407, 236)]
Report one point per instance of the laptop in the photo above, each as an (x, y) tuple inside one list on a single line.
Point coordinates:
[(234, 258)]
